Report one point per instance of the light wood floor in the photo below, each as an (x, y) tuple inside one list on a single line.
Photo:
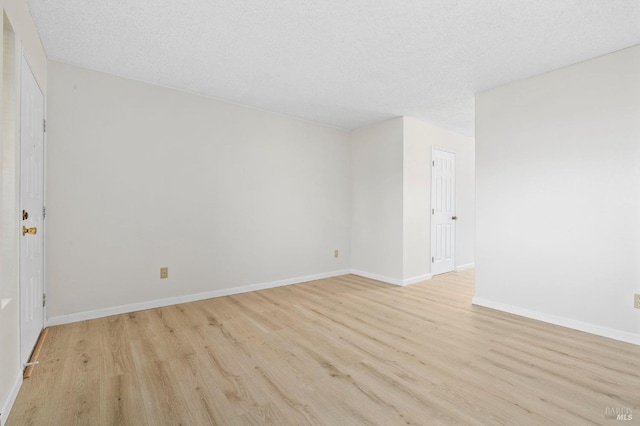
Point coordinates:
[(345, 350)]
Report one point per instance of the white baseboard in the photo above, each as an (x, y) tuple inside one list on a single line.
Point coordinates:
[(377, 277), (13, 394), (561, 321), (124, 309), (419, 278), (389, 280), (465, 267)]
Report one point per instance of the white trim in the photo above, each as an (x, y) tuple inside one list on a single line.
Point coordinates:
[(561, 321), (465, 267), (8, 404), (377, 277), (123, 309), (389, 280), (417, 279)]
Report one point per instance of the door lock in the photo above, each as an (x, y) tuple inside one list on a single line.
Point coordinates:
[(25, 215), (454, 217), (30, 231)]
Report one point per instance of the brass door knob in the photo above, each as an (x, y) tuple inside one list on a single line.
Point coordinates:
[(31, 231)]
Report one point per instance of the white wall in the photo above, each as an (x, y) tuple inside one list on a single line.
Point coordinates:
[(376, 200), (419, 139), (558, 205), (141, 177), (416, 200), (391, 199), (19, 35)]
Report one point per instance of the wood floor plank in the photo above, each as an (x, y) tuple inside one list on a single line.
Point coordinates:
[(346, 350)]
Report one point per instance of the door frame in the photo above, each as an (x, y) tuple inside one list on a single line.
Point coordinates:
[(455, 193), (24, 61)]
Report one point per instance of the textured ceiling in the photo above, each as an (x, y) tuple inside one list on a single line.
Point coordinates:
[(345, 63)]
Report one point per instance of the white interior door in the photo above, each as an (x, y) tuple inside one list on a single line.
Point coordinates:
[(32, 203), (443, 211)]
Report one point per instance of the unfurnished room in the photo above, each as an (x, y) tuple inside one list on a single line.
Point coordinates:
[(320, 213)]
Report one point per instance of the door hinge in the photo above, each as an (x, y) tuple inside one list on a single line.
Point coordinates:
[(44, 126), (433, 163), (431, 259), (44, 212), (44, 300), (433, 211)]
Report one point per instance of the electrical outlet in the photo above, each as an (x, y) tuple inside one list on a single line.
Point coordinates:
[(636, 301), (336, 253), (164, 272)]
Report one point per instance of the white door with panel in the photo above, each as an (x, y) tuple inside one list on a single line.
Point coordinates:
[(32, 215), (443, 211)]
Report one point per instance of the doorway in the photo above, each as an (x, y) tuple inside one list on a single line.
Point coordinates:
[(443, 211), (32, 211)]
